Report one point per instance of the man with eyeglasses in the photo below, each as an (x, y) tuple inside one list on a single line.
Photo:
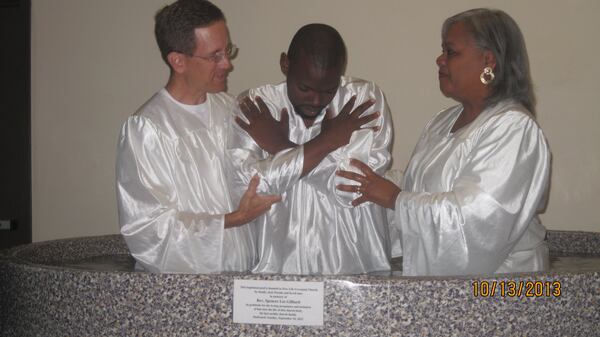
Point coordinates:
[(175, 211), (315, 229)]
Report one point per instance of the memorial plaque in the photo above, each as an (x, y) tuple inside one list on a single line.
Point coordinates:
[(278, 302)]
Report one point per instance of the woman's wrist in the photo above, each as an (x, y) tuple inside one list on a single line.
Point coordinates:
[(394, 195)]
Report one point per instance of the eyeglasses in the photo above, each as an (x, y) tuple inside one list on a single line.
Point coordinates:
[(229, 53)]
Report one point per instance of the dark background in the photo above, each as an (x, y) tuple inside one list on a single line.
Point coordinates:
[(15, 122)]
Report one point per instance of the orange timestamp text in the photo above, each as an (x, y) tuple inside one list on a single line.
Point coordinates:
[(519, 289)]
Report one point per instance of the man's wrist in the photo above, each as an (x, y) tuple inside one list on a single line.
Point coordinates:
[(325, 143)]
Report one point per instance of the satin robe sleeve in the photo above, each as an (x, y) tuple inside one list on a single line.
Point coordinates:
[(370, 147), (277, 172), (395, 176), (473, 227), (160, 236)]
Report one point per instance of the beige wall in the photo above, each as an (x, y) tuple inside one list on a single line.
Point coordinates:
[(94, 62)]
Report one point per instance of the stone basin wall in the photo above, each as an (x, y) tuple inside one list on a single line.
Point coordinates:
[(38, 298)]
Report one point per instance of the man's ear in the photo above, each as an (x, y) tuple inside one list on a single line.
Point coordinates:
[(176, 61), (284, 63)]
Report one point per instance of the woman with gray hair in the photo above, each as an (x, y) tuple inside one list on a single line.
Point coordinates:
[(469, 198)]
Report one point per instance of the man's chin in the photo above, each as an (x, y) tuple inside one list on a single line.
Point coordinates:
[(219, 87), (308, 114)]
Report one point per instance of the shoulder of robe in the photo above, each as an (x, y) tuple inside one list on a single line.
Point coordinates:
[(443, 115), (223, 98), (144, 126), (223, 106), (157, 116), (267, 92), (153, 110), (148, 114), (359, 84), (152, 106), (511, 114)]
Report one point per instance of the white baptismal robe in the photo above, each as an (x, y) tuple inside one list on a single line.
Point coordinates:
[(172, 188), (315, 230), (470, 199)]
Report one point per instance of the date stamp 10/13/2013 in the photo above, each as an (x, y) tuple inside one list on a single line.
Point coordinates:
[(495, 288)]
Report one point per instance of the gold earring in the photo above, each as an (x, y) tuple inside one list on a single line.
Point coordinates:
[(487, 71)]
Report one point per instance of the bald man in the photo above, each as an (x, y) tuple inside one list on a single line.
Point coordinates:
[(315, 229)]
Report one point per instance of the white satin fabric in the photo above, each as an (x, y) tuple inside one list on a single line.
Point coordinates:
[(315, 230), (470, 199), (172, 188)]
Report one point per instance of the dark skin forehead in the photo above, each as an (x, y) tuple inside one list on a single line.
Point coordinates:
[(304, 71)]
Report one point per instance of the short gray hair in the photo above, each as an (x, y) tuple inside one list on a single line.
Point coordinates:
[(496, 31)]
